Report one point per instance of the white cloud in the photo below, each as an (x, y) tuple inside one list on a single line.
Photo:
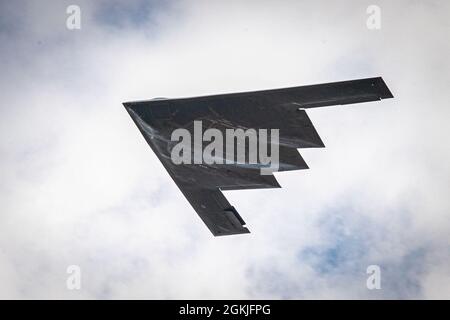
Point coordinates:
[(80, 186)]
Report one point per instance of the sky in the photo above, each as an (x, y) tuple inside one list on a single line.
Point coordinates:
[(80, 186)]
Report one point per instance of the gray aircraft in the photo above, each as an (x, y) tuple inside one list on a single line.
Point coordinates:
[(282, 109)]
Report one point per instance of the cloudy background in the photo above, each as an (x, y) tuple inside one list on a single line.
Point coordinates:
[(80, 186)]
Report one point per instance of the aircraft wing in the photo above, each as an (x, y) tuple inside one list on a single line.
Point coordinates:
[(282, 109)]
